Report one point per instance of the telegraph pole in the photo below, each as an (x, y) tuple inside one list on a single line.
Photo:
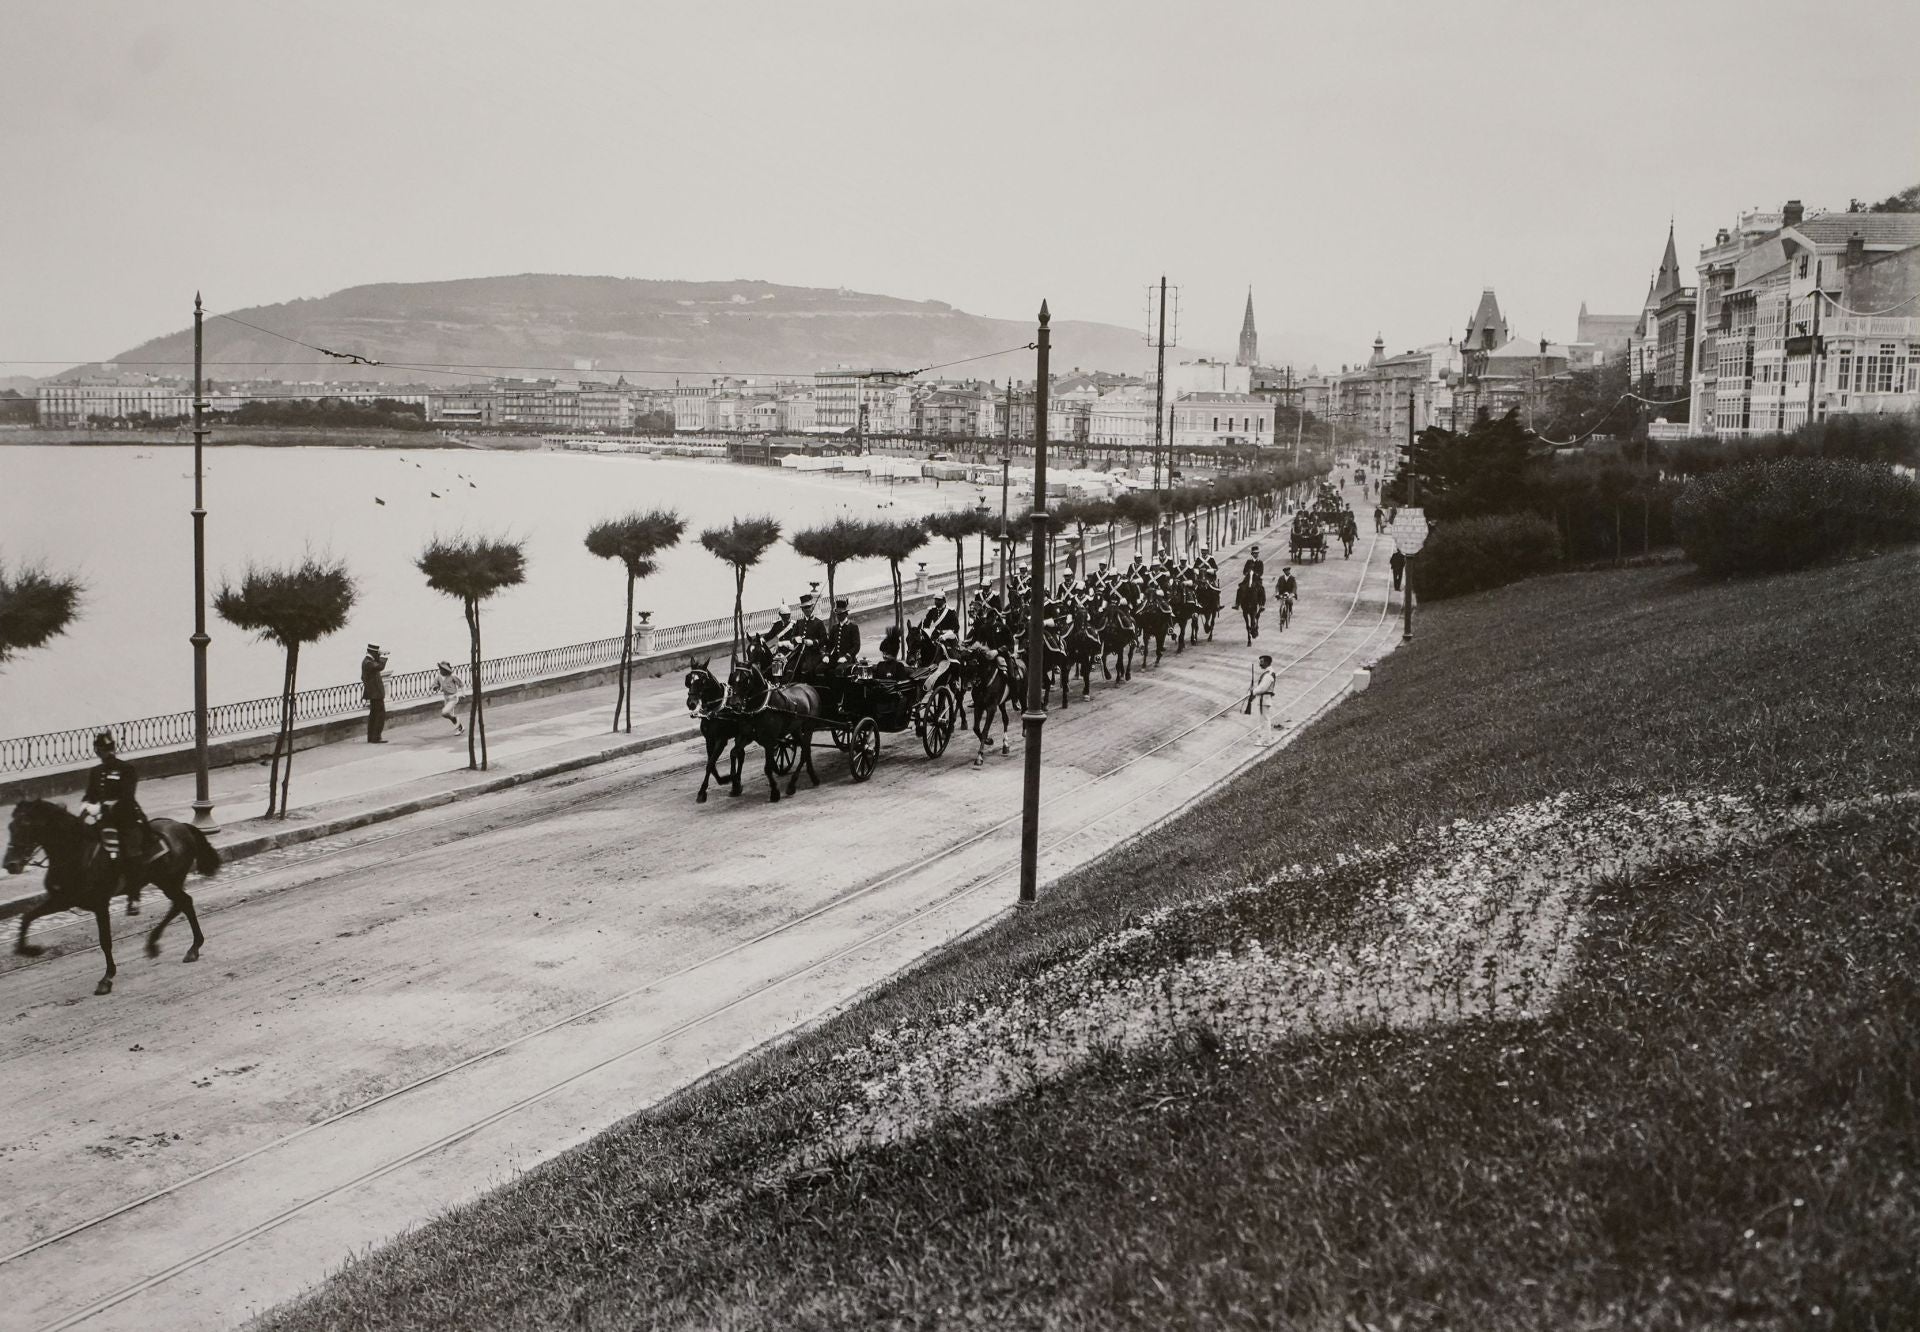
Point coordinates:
[(1160, 385), (1036, 714), (202, 802), (1006, 467), (1813, 347)]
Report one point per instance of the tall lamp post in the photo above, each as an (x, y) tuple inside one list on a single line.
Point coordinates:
[(202, 802), (1036, 714)]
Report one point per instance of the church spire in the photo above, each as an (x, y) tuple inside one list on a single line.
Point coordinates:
[(1249, 340)]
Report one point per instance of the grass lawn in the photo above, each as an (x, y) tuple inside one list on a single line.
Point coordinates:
[(1713, 1123)]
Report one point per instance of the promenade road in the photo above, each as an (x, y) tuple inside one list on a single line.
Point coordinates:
[(388, 1021)]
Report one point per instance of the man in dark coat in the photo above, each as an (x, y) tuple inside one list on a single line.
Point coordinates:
[(111, 788), (373, 687), (1255, 563), (1398, 563), (843, 638)]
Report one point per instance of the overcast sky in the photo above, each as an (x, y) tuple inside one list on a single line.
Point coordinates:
[(1362, 166)]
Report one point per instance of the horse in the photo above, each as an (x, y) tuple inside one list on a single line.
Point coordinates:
[(707, 700), (82, 877), (1117, 635), (936, 666), (995, 681), (1155, 619), (1081, 648), (1186, 611), (1349, 532), (1209, 594), (769, 714), (1250, 599)]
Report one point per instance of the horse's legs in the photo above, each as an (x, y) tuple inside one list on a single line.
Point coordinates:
[(773, 778), (184, 905), (153, 935), (38, 909), (714, 745), (739, 762), (105, 926), (806, 756)]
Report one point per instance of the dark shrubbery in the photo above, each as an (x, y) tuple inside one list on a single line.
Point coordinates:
[(1472, 554), (1789, 513)]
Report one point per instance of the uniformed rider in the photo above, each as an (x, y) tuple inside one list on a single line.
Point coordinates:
[(940, 617), (110, 801)]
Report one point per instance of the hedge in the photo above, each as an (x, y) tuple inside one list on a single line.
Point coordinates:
[(1790, 513), (1473, 554)]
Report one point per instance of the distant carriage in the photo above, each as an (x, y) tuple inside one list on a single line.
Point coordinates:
[(1309, 538)]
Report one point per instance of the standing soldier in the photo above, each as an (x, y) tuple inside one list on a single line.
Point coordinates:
[(110, 800)]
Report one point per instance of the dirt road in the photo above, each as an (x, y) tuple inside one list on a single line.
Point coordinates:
[(385, 1024)]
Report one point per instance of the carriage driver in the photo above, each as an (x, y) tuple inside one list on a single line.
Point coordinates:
[(842, 639), (110, 801), (1255, 563), (940, 617)]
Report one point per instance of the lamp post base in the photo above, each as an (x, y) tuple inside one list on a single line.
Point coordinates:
[(203, 817)]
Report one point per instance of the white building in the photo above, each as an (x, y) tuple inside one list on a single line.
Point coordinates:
[(1205, 419)]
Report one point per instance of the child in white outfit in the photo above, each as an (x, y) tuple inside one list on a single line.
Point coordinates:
[(449, 687)]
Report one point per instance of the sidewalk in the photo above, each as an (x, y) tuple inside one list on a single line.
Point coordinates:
[(346, 784)]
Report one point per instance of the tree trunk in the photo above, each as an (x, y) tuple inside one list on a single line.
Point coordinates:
[(739, 615), (286, 712), (623, 699), (959, 577), (899, 610), (474, 723), (830, 569), (280, 736)]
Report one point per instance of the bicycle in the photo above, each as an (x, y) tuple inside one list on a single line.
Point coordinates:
[(1286, 609)]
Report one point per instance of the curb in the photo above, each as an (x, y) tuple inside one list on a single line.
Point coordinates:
[(253, 846)]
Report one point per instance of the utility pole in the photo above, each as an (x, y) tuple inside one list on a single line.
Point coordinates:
[(1036, 714), (1006, 467), (1160, 385), (202, 802)]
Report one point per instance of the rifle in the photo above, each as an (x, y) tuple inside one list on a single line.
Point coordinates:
[(1252, 671)]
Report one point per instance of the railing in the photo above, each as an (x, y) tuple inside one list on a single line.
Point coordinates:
[(60, 749)]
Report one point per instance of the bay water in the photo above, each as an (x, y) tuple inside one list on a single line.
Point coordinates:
[(118, 517)]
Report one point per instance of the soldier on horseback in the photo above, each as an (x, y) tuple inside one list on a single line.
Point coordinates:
[(940, 617), (110, 802)]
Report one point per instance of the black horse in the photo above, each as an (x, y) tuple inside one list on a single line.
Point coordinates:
[(81, 876), (707, 700), (995, 680), (771, 715), (1081, 646), (1186, 615), (1118, 634), (1208, 595), (1155, 619)]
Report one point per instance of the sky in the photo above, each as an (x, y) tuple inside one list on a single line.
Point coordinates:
[(1362, 168)]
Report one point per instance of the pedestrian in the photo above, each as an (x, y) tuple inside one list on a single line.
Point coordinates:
[(373, 688), (1399, 566), (448, 686), (1264, 683)]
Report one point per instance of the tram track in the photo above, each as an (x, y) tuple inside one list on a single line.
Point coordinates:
[(1322, 674)]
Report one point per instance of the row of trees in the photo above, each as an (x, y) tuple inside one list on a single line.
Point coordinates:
[(300, 603)]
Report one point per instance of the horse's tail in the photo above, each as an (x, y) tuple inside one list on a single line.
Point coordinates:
[(205, 858)]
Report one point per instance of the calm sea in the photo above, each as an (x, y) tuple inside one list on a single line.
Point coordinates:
[(119, 517)]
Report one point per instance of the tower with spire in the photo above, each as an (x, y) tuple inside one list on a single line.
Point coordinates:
[(1249, 353)]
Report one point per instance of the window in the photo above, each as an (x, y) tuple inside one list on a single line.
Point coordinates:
[(1890, 368), (1803, 265), (1846, 371)]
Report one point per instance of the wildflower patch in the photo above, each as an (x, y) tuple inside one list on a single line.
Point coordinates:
[(1479, 918)]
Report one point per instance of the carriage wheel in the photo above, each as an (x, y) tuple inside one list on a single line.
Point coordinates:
[(786, 755), (865, 749), (937, 723), (842, 740)]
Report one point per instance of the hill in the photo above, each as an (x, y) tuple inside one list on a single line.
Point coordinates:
[(1565, 978), (649, 330)]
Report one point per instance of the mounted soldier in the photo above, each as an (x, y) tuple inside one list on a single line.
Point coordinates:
[(940, 617), (1255, 563), (110, 802)]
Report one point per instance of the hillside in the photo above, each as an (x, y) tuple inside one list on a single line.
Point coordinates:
[(1565, 978), (649, 330)]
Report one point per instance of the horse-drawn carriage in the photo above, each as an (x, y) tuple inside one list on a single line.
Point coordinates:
[(858, 707), (1309, 538)]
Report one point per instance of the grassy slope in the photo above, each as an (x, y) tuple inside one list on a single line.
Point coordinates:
[(1736, 1039)]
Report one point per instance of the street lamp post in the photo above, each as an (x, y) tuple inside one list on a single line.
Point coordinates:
[(1036, 714), (202, 801)]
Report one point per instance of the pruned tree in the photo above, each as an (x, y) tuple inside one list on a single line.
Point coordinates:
[(35, 606), (294, 606), (833, 544), (471, 570), (957, 526), (895, 543), (634, 540), (740, 544), (1142, 509)]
